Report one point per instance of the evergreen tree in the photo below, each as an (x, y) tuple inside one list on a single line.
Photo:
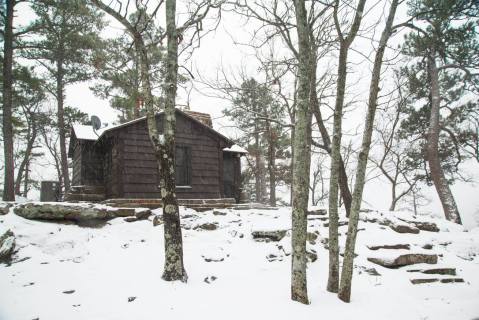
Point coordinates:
[(118, 67), (445, 49), (64, 46), (256, 113)]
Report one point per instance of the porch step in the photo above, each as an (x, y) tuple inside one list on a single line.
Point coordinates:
[(196, 204), (83, 189), (89, 197)]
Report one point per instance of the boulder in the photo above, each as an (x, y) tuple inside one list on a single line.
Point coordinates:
[(7, 244), (443, 271), (157, 220), (5, 207), (404, 228), (207, 226), (426, 226), (405, 260), (59, 211), (273, 235), (142, 214)]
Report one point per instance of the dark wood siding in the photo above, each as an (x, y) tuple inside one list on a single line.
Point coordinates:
[(76, 175), (139, 170), (91, 164)]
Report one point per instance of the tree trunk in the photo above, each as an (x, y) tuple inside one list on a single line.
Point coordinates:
[(26, 181), (333, 277), (271, 164), (8, 184), (257, 169), (61, 124), (31, 137), (437, 174), (343, 177), (301, 161), (174, 267), (347, 271)]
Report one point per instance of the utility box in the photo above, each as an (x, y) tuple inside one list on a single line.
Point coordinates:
[(50, 191)]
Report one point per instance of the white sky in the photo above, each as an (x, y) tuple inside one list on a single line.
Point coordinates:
[(218, 49)]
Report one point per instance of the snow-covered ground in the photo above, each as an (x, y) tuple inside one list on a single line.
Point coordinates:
[(64, 271)]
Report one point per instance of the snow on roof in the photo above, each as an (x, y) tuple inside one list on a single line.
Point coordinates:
[(84, 132), (235, 148)]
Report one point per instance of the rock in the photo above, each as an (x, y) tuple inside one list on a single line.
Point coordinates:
[(210, 259), (312, 237), (68, 291), (7, 244), (311, 256), (130, 219), (405, 260), (423, 225), (208, 226), (5, 207), (131, 299), (59, 211), (143, 214), (219, 213), (372, 271), (273, 235), (318, 212), (427, 246), (390, 246), (404, 228), (157, 220), (432, 280), (426, 226), (272, 257), (443, 271), (210, 279)]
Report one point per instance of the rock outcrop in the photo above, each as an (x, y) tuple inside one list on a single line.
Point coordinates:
[(75, 212), (7, 244), (405, 260)]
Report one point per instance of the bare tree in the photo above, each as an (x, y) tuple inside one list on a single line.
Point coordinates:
[(345, 41), (347, 270)]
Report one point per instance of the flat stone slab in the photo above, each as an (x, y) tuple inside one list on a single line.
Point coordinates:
[(404, 228), (273, 235), (405, 260), (390, 246), (443, 271), (433, 280), (75, 212)]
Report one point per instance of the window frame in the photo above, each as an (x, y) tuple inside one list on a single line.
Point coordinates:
[(186, 166)]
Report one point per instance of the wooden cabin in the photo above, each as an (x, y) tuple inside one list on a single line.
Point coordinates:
[(120, 162)]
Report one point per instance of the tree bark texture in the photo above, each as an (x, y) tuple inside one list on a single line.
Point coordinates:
[(174, 267), (271, 164), (437, 174), (9, 170), (23, 168), (347, 270), (301, 160), (61, 123), (345, 43)]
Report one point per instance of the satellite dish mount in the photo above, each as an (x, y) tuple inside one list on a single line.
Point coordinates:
[(95, 123)]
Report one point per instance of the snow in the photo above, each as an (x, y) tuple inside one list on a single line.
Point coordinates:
[(235, 148), (84, 132), (108, 265)]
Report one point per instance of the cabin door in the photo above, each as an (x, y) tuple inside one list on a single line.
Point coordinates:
[(228, 175)]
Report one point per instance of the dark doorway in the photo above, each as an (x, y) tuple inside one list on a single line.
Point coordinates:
[(229, 175)]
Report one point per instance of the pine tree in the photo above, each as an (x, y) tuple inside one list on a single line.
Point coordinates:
[(64, 46), (445, 52)]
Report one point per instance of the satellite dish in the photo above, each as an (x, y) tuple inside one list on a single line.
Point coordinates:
[(95, 122)]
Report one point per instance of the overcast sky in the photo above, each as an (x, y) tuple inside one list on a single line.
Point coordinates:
[(219, 49)]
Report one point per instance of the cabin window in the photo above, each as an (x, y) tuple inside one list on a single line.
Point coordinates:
[(183, 166)]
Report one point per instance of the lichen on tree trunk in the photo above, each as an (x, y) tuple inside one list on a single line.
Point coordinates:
[(301, 161), (347, 270)]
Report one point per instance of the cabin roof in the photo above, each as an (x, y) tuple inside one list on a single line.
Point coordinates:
[(86, 132)]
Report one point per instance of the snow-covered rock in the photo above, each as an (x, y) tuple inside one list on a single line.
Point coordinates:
[(7, 243), (5, 207)]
